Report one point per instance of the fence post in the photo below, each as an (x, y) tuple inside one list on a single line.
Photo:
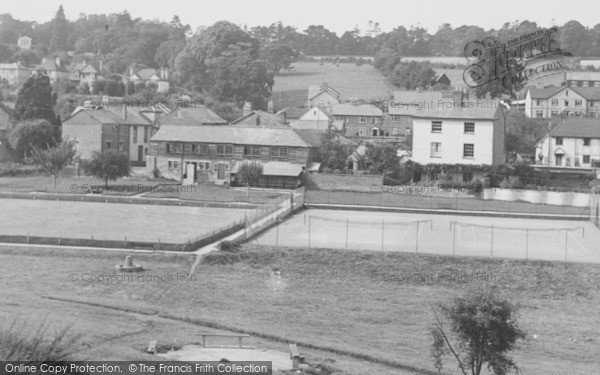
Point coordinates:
[(527, 244), (277, 233), (456, 201), (566, 243), (453, 239), (309, 231), (347, 224), (492, 242), (417, 240), (382, 238)]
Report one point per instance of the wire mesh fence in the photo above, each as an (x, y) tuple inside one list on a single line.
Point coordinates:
[(445, 235), (456, 202)]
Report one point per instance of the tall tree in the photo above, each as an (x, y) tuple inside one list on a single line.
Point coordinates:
[(574, 38), (59, 41), (30, 135), (35, 100)]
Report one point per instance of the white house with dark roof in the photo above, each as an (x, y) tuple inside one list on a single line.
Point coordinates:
[(323, 95), (84, 73), (150, 75), (555, 101), (574, 142), (470, 134), (214, 154), (54, 68), (14, 73)]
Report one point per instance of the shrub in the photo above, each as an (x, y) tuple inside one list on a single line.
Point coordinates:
[(17, 343)]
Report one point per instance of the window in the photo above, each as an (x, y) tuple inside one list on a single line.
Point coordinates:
[(578, 103), (374, 120), (539, 114), (554, 102), (467, 176), (585, 83), (586, 141), (566, 103), (396, 131), (394, 118), (279, 152), (436, 126), (174, 147), (436, 148), (592, 114), (592, 103), (145, 134), (362, 132), (559, 141), (108, 145), (468, 150), (586, 159), (539, 102), (173, 164), (224, 149), (566, 92), (252, 151), (121, 146), (469, 127), (362, 120), (134, 130), (554, 113), (578, 113)]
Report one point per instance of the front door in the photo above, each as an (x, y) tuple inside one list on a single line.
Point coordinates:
[(140, 153), (221, 172), (558, 160)]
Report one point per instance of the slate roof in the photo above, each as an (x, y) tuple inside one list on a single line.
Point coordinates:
[(197, 115), (315, 90), (271, 119), (243, 135), (346, 109), (292, 112), (50, 65), (146, 73), (310, 136), (590, 93), (578, 128), (469, 110)]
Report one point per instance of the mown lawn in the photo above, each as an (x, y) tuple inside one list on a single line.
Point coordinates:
[(329, 298)]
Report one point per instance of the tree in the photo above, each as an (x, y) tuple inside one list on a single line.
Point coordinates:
[(522, 132), (223, 61), (384, 156), (412, 74), (53, 160), (109, 165), (249, 174), (35, 100), (279, 56), (30, 135), (333, 153), (575, 39), (482, 330), (59, 41)]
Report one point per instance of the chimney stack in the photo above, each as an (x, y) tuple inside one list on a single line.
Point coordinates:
[(247, 108), (539, 85)]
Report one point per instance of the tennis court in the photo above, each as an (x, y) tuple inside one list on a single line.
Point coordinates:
[(439, 234)]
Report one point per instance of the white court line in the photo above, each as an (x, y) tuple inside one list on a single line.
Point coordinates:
[(473, 233), (585, 250)]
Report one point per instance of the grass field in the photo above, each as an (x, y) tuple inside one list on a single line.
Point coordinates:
[(399, 232), (112, 221), (326, 297), (352, 81)]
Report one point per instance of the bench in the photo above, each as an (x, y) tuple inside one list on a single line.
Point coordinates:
[(152, 347), (295, 356), (239, 336)]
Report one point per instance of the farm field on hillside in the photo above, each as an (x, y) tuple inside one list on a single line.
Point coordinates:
[(352, 81)]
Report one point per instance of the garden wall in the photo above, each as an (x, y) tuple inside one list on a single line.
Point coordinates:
[(543, 197)]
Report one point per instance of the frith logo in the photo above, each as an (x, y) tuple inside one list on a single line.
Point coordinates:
[(528, 57)]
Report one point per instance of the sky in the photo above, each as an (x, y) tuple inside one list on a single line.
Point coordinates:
[(336, 15)]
